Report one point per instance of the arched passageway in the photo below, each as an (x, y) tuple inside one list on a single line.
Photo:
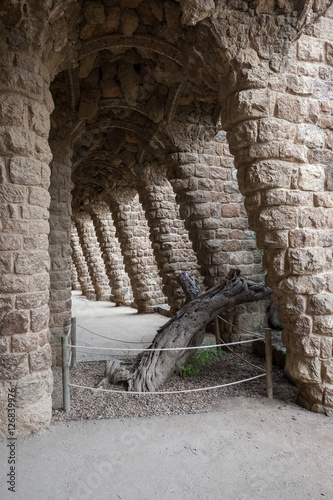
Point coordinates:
[(152, 113)]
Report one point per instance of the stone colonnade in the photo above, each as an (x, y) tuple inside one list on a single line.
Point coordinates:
[(92, 254), (170, 240)]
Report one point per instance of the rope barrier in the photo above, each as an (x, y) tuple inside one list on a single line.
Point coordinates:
[(96, 389), (109, 338), (243, 359), (242, 329), (163, 348)]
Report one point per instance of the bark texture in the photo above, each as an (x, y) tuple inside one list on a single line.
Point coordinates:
[(186, 329)]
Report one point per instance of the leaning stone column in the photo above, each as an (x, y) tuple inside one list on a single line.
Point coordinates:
[(75, 279), (92, 253), (203, 178), (80, 263), (133, 235), (170, 241), (59, 247), (284, 184), (111, 252), (25, 353)]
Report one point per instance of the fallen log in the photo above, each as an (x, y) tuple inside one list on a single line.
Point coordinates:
[(186, 329)]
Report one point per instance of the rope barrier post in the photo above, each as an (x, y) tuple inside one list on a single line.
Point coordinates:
[(268, 363), (73, 342), (65, 373), (217, 332)]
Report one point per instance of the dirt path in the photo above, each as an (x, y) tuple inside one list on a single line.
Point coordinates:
[(251, 448)]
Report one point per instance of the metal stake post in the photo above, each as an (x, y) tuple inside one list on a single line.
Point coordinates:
[(65, 373), (73, 342), (269, 363)]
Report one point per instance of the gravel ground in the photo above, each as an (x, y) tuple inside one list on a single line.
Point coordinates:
[(88, 405)]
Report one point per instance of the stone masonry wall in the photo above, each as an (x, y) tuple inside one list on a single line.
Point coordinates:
[(280, 136)]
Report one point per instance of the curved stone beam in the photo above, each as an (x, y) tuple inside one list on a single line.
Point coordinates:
[(73, 89), (130, 127), (174, 96), (106, 104), (109, 42)]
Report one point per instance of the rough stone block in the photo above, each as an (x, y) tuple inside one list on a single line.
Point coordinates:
[(13, 366), (39, 196), (15, 322), (243, 134), (41, 358), (274, 129), (306, 346), (32, 262), (250, 104), (329, 53), (39, 318), (326, 349), (267, 174), (277, 218), (16, 140), (10, 193), (310, 49), (304, 369), (10, 242), (321, 304), (292, 152), (310, 135), (15, 226), (304, 284), (300, 238), (25, 171), (317, 218), (329, 177), (300, 85), (34, 389), (12, 283), (306, 260), (4, 345), (327, 369), (323, 325), (272, 239), (291, 108), (24, 343)]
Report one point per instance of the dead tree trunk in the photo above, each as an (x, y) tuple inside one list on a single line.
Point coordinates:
[(186, 329)]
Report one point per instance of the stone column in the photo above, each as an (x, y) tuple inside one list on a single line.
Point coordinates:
[(283, 179), (25, 353), (170, 241), (133, 234), (80, 263), (212, 207), (59, 247), (92, 252), (75, 279), (111, 252)]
